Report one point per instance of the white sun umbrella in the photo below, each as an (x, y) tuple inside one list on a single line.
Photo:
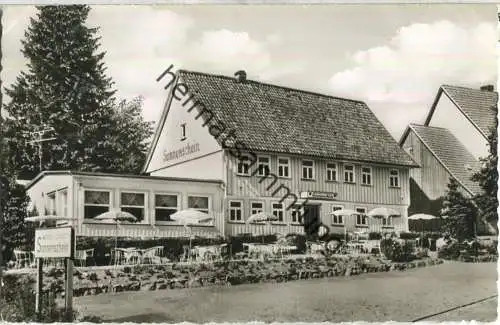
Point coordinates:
[(423, 217), (383, 212), (262, 217), (191, 217), (60, 220), (116, 216), (345, 212)]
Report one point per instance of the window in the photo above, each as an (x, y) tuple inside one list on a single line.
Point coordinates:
[(263, 165), (63, 203), (297, 213), (331, 172), (283, 167), (95, 203), (199, 203), (361, 218), (337, 220), (349, 174), (165, 206), (394, 178), (244, 165), (278, 211), (256, 207), (133, 203), (307, 169), (366, 175), (387, 222), (235, 211), (51, 204)]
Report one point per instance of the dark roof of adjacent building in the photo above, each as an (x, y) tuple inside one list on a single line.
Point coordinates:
[(271, 118), (451, 153), (476, 104), (29, 184)]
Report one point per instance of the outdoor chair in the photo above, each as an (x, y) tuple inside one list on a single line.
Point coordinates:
[(117, 257), (22, 258), (153, 255), (83, 255)]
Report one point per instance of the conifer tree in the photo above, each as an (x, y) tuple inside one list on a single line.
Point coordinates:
[(459, 212), (487, 178), (65, 87)]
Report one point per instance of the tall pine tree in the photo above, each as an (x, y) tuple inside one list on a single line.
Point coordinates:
[(487, 178), (65, 88), (459, 212)]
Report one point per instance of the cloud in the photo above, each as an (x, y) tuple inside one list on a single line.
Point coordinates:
[(417, 60)]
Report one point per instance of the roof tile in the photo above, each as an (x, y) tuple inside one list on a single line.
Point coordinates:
[(451, 152), (476, 104), (277, 119)]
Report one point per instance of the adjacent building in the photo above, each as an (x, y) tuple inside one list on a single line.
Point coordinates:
[(449, 144)]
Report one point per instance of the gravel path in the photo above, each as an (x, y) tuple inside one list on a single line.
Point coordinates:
[(397, 296)]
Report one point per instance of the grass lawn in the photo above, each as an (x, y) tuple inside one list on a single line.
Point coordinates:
[(398, 296)]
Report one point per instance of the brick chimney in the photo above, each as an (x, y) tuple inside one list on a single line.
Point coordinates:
[(488, 88), (240, 75)]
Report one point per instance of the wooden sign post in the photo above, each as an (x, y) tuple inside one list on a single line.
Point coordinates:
[(55, 243)]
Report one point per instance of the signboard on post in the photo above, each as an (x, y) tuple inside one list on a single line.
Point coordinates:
[(54, 243)]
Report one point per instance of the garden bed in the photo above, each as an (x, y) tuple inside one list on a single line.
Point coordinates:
[(226, 273)]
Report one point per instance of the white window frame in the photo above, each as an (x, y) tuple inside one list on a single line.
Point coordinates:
[(369, 175), (284, 167), (268, 164), (252, 209), (278, 210), (51, 198), (332, 171), (300, 210), (62, 204), (240, 209), (337, 220), (179, 198), (109, 205), (388, 222), (199, 195), (397, 177), (241, 162), (363, 218), (353, 172), (146, 214), (309, 168)]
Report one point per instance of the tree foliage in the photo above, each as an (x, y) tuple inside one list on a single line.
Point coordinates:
[(65, 87), (458, 212), (487, 178)]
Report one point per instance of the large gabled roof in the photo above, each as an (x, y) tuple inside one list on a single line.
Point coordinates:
[(451, 153), (477, 105), (271, 118)]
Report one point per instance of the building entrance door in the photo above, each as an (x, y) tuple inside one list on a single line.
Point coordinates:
[(311, 220)]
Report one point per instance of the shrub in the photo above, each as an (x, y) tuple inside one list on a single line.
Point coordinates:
[(409, 235), (450, 252), (397, 252), (17, 303), (374, 236)]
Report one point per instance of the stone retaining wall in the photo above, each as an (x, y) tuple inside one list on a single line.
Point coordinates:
[(226, 273)]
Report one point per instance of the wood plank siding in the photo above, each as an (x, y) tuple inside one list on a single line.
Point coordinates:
[(247, 189)]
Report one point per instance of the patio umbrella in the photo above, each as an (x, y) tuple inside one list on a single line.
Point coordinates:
[(383, 212), (262, 217), (116, 216), (58, 219), (191, 217), (422, 217), (345, 212)]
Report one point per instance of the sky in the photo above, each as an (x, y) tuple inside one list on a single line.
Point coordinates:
[(393, 57)]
